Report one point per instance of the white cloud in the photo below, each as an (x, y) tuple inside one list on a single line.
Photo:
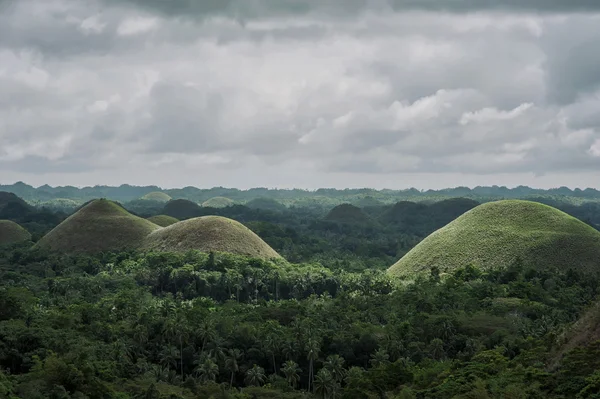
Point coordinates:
[(137, 25)]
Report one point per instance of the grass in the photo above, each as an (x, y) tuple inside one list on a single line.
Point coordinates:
[(101, 225), (217, 202), (210, 233), (11, 232), (496, 234), (163, 220), (157, 196), (267, 204), (347, 213)]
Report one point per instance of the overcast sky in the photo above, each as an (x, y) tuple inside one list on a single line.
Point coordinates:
[(290, 93)]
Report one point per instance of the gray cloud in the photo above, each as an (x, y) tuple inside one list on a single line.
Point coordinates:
[(286, 92), (260, 8)]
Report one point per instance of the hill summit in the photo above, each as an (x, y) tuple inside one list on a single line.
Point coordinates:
[(11, 232), (217, 202), (499, 233), (100, 225), (157, 196), (210, 233)]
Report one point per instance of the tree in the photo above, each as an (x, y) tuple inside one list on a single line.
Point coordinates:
[(335, 365), (292, 373), (436, 349), (232, 359), (207, 370), (255, 376), (325, 384), (379, 357), (313, 347)]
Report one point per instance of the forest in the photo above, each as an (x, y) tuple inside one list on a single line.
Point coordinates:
[(326, 320)]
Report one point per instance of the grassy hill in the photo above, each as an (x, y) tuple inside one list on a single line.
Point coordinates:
[(218, 202), (157, 196), (181, 209), (210, 233), (267, 204), (11, 232), (347, 213), (498, 233), (100, 225), (163, 220)]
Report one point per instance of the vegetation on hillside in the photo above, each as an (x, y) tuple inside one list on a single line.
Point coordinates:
[(501, 233), (347, 213)]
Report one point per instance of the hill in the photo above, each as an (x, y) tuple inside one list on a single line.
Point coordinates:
[(163, 220), (347, 213), (267, 204), (218, 202), (157, 196), (11, 232), (181, 209), (210, 233), (13, 207), (100, 225), (499, 233)]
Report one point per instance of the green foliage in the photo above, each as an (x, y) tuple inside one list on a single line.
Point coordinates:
[(156, 196), (217, 202)]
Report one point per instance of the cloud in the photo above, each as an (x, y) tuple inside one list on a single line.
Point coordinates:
[(265, 91)]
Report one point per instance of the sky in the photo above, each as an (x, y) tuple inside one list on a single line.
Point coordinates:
[(300, 93)]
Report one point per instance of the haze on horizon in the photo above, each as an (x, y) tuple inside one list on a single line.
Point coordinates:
[(307, 94)]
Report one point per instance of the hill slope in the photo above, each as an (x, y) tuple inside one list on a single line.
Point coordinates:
[(347, 213), (496, 234), (210, 233), (163, 220), (100, 225), (11, 232), (217, 202)]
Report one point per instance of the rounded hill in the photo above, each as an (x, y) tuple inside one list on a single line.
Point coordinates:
[(497, 234), (100, 225), (157, 196), (11, 232), (210, 233), (217, 202), (347, 213), (181, 209), (266, 204), (163, 220)]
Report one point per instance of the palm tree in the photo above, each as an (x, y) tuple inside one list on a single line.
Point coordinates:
[(325, 384), (437, 349), (255, 376), (379, 357), (272, 345), (313, 348), (335, 365), (292, 372), (207, 333), (169, 355), (233, 357), (207, 370)]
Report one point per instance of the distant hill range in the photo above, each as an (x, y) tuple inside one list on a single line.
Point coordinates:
[(361, 197)]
